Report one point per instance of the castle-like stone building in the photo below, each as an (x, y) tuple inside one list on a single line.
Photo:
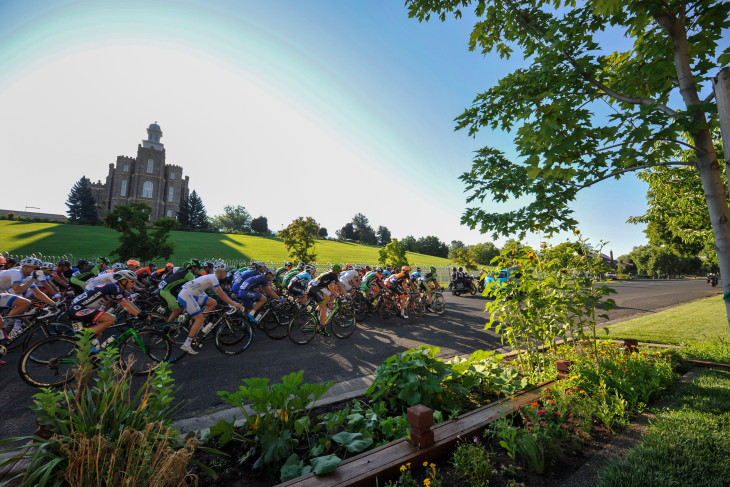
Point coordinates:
[(146, 179)]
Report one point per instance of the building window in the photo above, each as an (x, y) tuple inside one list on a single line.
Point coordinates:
[(169, 213), (147, 189), (150, 166), (123, 188), (170, 193), (126, 168), (172, 175)]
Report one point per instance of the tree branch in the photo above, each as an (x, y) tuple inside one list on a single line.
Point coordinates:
[(630, 169)]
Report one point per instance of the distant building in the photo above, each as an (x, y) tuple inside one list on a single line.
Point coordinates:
[(145, 179)]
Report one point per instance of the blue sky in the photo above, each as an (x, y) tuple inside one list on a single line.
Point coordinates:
[(289, 108)]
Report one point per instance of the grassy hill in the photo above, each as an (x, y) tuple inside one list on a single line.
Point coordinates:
[(53, 240)]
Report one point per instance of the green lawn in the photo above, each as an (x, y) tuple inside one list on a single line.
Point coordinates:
[(54, 240), (697, 321)]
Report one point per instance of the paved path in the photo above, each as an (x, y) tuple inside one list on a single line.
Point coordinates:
[(459, 331)]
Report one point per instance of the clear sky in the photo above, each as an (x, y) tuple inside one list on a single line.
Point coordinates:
[(323, 108)]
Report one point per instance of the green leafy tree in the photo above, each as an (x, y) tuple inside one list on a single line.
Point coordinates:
[(81, 204), (299, 239), (260, 225), (133, 222), (565, 138), (347, 232), (183, 214), (235, 219), (198, 215), (363, 230), (383, 236), (409, 243), (455, 245), (431, 245), (461, 256), (394, 253), (322, 232), (483, 253)]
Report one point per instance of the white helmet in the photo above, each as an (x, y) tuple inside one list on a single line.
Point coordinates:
[(220, 266), (310, 267), (47, 265), (118, 266), (125, 274), (31, 261)]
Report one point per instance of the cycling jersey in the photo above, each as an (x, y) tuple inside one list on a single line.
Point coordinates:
[(13, 276), (254, 282), (348, 279), (99, 296), (325, 279), (143, 272), (241, 277), (288, 277), (280, 272), (370, 280), (429, 276), (200, 285), (100, 280), (298, 284)]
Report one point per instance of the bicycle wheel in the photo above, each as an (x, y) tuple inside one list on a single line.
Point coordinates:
[(142, 353), (19, 341), (343, 323), (177, 333), (388, 311), (360, 307), (438, 303), (42, 330), (49, 362), (303, 327), (233, 336), (415, 309), (273, 326)]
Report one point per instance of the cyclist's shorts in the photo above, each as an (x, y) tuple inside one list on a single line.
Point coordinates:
[(249, 297), (236, 286), (84, 315), (169, 299), (395, 288), (317, 294), (296, 289), (7, 299), (191, 303), (423, 287)]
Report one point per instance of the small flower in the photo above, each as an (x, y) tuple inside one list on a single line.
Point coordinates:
[(534, 405), (426, 482), (519, 407), (490, 418), (609, 371), (425, 464), (403, 468), (540, 412), (624, 369), (476, 439), (582, 391), (528, 425), (433, 465), (557, 414), (576, 232), (551, 401)]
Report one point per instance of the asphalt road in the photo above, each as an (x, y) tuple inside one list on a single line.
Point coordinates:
[(460, 330)]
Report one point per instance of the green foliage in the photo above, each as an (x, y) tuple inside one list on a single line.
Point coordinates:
[(299, 239), (664, 261), (717, 350), (260, 225), (81, 204), (278, 417), (394, 253), (235, 219), (553, 295), (192, 214), (686, 443), (362, 231), (473, 464), (132, 221), (383, 235), (429, 245)]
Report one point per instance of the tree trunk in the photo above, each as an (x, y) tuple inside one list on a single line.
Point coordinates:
[(707, 165)]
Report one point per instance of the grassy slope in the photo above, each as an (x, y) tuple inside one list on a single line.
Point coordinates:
[(701, 320), (52, 239)]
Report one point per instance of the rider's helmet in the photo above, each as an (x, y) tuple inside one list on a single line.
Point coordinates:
[(2, 260), (47, 265), (31, 262), (193, 263), (152, 266), (169, 266), (300, 266), (103, 260), (405, 268), (124, 274), (379, 269), (269, 270), (310, 268), (132, 262), (461, 269), (220, 266), (357, 268), (350, 267), (118, 266), (288, 264), (418, 269), (63, 263), (432, 269), (389, 268), (453, 269), (336, 268), (82, 263)]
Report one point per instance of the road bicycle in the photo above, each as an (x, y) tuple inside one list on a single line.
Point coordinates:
[(305, 324), (36, 324), (228, 328), (274, 316), (438, 302), (51, 361)]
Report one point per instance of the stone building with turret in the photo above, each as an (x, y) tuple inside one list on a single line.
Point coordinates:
[(146, 178)]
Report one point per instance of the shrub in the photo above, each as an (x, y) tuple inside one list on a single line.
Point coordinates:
[(472, 463)]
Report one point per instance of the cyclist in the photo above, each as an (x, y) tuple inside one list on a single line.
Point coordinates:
[(86, 272), (287, 277), (397, 284), (45, 282), (329, 281), (193, 295), (257, 269), (252, 292), (18, 288), (351, 280), (427, 283), (87, 308), (297, 287), (170, 286), (372, 282), (62, 274), (280, 272)]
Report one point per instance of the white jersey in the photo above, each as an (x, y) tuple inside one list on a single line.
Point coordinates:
[(347, 279), (12, 276), (100, 280), (201, 284)]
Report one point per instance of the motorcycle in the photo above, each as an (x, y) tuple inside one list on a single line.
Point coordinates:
[(463, 286), (712, 279)]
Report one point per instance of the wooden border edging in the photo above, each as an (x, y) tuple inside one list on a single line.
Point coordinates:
[(704, 363), (383, 463)]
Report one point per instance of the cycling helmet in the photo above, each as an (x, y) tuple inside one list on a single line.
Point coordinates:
[(124, 274), (63, 263), (208, 263), (454, 269), (405, 268), (350, 267), (2, 260), (193, 263), (357, 268), (336, 268), (132, 262), (367, 268), (47, 265), (82, 263), (220, 266), (461, 269), (31, 261), (310, 267), (432, 269), (169, 265), (103, 260), (118, 266), (300, 266), (269, 270), (288, 264), (418, 269), (379, 269)]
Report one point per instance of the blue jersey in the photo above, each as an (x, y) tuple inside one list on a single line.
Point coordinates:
[(254, 282), (240, 277), (101, 295)]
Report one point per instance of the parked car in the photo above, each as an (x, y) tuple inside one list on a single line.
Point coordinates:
[(503, 277), (611, 275)]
